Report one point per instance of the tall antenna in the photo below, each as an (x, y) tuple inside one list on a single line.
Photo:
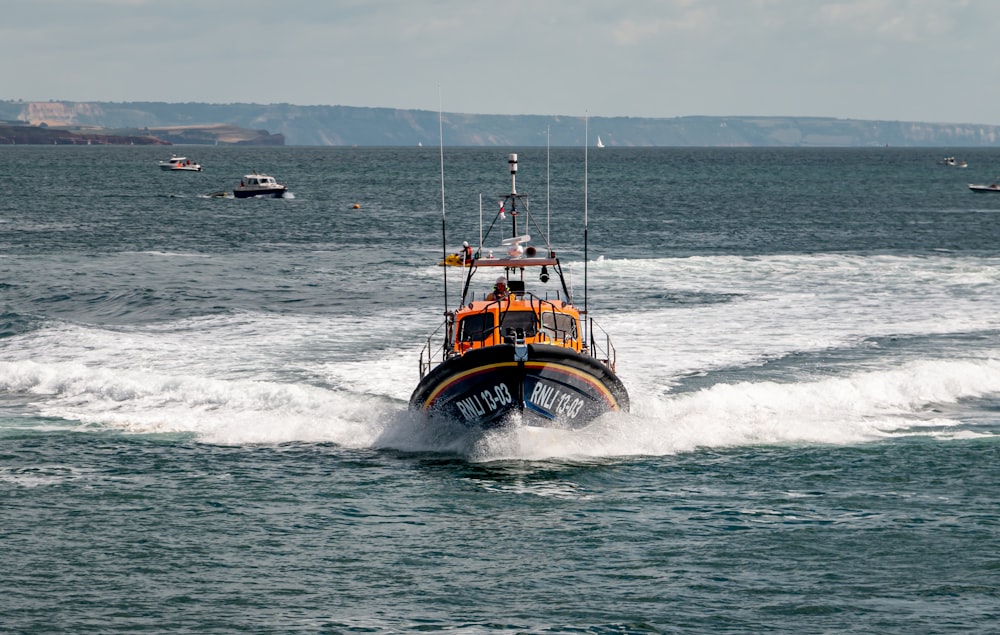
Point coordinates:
[(586, 144), (548, 180), (512, 163), (444, 236)]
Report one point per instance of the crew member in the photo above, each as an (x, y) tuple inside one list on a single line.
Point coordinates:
[(466, 252), (500, 289)]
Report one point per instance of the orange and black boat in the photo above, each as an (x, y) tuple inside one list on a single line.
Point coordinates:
[(518, 351)]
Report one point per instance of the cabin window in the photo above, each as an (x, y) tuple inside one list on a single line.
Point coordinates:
[(511, 321), (475, 328), (559, 325)]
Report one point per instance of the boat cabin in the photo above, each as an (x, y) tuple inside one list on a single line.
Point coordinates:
[(259, 180), (518, 318)]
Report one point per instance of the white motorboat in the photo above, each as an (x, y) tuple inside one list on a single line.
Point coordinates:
[(992, 187), (953, 162), (180, 164)]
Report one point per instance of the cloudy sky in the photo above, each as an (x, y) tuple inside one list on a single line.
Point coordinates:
[(909, 60)]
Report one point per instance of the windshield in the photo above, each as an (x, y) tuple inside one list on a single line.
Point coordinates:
[(475, 328), (559, 325), (511, 321)]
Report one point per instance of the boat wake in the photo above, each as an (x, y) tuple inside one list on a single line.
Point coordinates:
[(919, 398), (736, 352)]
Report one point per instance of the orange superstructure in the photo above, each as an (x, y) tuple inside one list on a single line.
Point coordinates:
[(530, 319)]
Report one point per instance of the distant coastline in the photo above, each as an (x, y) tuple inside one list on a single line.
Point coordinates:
[(162, 123), (14, 134), (24, 133)]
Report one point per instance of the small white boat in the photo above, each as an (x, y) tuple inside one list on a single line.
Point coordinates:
[(992, 187), (259, 185), (953, 162), (180, 164), (600, 144)]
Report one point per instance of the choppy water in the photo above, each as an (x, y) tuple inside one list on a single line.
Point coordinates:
[(202, 400)]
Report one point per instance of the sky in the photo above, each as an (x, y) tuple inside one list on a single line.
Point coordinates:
[(895, 60)]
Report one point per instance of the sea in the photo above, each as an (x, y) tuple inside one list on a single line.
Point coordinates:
[(203, 400)]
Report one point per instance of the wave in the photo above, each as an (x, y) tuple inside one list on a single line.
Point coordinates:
[(715, 351), (12, 324), (859, 408)]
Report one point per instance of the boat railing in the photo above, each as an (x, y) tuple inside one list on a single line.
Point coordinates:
[(561, 332), (600, 346), (437, 343), (596, 343), (548, 328)]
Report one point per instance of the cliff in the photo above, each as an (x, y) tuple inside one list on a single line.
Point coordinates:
[(221, 134), (347, 125)]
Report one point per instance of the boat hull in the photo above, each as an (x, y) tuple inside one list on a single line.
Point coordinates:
[(984, 188), (548, 386), (180, 167), (270, 193)]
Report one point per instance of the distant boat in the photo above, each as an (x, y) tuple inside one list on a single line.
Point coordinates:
[(600, 144), (992, 187), (259, 185), (454, 260), (180, 164), (952, 162)]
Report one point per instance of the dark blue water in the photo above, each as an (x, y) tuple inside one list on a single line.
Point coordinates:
[(203, 422)]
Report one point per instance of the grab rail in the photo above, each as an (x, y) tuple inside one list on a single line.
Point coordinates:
[(607, 354), (428, 348)]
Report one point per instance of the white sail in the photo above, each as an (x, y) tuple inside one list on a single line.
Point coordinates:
[(600, 144)]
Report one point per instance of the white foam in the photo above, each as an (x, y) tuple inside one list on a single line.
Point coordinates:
[(773, 306), (858, 408), (42, 475), (265, 378)]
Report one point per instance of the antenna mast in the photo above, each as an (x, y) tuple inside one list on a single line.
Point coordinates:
[(548, 174), (512, 162), (586, 143), (444, 235)]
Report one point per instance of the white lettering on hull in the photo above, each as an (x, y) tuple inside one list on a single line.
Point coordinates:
[(475, 407), (558, 402)]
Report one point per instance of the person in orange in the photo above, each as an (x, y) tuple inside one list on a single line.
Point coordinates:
[(500, 289), (466, 252)]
